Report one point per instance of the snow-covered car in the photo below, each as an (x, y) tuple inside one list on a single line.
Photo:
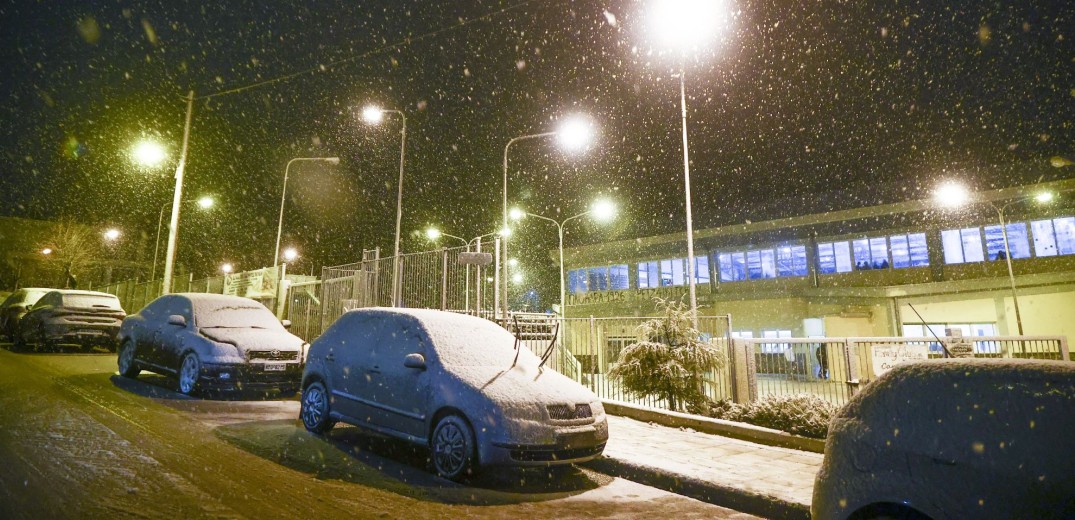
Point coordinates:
[(85, 318), (15, 307), (211, 342), (959, 438), (459, 384)]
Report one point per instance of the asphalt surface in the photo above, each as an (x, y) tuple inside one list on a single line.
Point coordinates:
[(79, 441)]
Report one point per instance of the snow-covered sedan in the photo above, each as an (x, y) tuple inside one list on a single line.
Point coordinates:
[(15, 306), (211, 342), (459, 384), (84, 318)]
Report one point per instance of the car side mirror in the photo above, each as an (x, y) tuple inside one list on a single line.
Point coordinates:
[(415, 360), (286, 323), (177, 320)]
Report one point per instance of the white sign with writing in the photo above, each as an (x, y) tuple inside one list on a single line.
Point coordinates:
[(253, 284), (889, 355)]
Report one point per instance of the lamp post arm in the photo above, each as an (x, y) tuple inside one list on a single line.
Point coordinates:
[(504, 219), (280, 220)]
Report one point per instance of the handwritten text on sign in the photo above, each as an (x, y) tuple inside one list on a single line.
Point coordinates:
[(887, 356)]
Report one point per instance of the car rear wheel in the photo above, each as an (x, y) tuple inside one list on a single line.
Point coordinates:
[(188, 373), (127, 365), (452, 448), (314, 409)]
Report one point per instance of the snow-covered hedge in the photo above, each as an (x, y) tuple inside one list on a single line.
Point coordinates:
[(800, 414)]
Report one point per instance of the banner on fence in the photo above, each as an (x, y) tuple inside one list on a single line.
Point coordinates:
[(886, 356), (257, 284)]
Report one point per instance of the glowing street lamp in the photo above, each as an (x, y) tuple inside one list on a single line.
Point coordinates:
[(374, 115), (283, 198), (203, 202), (112, 235), (47, 251), (953, 195), (601, 210), (683, 27), (290, 254), (575, 133), (148, 153), (227, 268)]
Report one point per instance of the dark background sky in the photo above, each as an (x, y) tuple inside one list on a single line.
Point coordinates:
[(808, 106)]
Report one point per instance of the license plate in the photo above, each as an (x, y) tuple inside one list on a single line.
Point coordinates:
[(91, 332), (275, 367)]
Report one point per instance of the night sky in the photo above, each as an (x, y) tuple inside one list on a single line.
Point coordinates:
[(804, 106)]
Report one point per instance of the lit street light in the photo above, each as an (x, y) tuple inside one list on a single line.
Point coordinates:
[(574, 134), (112, 235), (683, 27), (226, 268), (283, 198), (601, 210), (290, 254), (374, 115), (148, 153), (47, 251), (203, 202), (955, 195)]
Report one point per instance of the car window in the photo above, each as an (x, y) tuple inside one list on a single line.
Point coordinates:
[(237, 313), (473, 342), (178, 306), (91, 301)]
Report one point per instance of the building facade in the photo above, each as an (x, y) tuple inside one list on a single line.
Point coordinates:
[(902, 269)]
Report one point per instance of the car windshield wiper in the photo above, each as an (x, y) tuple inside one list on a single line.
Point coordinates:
[(515, 318), (552, 345)]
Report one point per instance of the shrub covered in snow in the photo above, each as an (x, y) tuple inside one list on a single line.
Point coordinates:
[(800, 414), (670, 360)]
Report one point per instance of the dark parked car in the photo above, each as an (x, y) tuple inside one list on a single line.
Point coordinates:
[(459, 384), (84, 318), (212, 342), (15, 307), (954, 439)]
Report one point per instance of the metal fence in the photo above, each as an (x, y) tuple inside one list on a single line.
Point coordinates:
[(133, 295), (834, 368)]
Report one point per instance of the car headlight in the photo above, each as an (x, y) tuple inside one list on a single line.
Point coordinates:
[(305, 352), (597, 408)]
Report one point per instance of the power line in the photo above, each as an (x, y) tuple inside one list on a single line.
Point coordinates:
[(401, 43)]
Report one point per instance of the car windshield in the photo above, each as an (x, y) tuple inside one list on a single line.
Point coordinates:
[(27, 298), (91, 301), (211, 315), (477, 343)]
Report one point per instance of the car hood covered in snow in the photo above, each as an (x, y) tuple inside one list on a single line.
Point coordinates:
[(523, 384), (247, 339)]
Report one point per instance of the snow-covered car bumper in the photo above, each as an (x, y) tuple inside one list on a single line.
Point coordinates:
[(573, 445), (285, 376), (81, 333)]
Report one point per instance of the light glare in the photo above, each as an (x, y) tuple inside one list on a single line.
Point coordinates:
[(290, 254), (951, 195), (575, 134), (226, 268), (686, 25), (373, 114), (46, 251), (1043, 197), (112, 234), (603, 210), (148, 153), (433, 233), (206, 202), (516, 214)]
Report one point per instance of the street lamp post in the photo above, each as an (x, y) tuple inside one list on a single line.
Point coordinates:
[(204, 202), (684, 26), (601, 209), (283, 198), (955, 195), (177, 199), (575, 133), (373, 115)]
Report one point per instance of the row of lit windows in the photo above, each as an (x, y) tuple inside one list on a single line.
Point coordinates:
[(976, 244)]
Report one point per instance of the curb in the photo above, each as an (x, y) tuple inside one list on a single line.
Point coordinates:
[(738, 499), (735, 430)]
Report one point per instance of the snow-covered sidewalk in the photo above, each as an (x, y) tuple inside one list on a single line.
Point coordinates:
[(755, 478)]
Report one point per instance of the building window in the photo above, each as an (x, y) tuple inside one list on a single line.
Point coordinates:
[(576, 281), (1018, 241), (962, 245), (909, 250), (775, 348), (648, 275), (745, 334), (598, 278), (701, 269), (618, 279), (791, 261), (761, 264), (1053, 237), (733, 266)]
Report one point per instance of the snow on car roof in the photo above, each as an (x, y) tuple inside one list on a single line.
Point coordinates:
[(455, 335), (223, 310), (73, 292)]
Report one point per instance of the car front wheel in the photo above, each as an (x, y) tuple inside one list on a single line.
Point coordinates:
[(127, 366), (452, 448), (188, 373), (314, 409)]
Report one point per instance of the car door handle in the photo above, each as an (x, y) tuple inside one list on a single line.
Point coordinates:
[(330, 357), (374, 370)]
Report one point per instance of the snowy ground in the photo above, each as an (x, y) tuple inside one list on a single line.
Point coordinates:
[(78, 441)]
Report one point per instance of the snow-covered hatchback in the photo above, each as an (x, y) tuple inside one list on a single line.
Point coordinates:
[(211, 342), (458, 384), (953, 439)]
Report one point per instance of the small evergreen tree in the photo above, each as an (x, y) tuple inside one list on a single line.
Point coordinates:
[(669, 360)]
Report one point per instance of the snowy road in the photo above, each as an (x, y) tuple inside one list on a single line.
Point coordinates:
[(78, 441)]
